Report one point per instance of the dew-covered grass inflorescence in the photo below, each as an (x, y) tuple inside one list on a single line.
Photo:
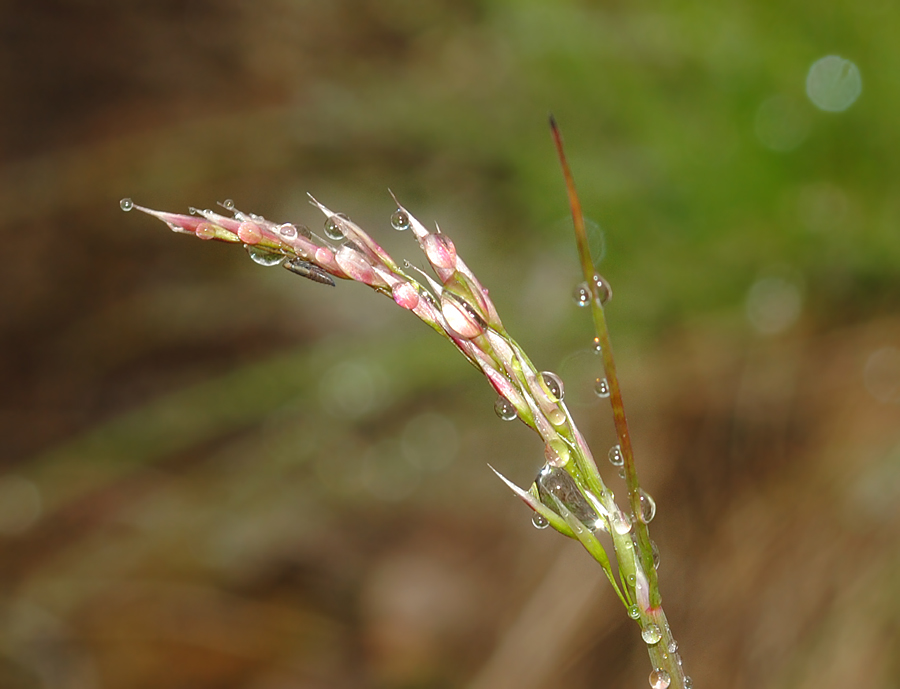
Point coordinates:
[(569, 493)]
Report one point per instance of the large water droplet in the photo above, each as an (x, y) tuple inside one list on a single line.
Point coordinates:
[(126, 204), (582, 294), (672, 647), (505, 409), (264, 257), (400, 220), (651, 634), (688, 682), (554, 384), (616, 458), (333, 229), (659, 679), (601, 289), (648, 507), (633, 611), (539, 521), (562, 486), (287, 230), (601, 388)]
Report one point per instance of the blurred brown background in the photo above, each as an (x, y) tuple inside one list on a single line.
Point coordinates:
[(217, 475)]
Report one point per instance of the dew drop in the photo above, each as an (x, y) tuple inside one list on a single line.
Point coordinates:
[(264, 257), (333, 229), (631, 579), (400, 220), (596, 346), (651, 634), (672, 647), (678, 659), (688, 682), (582, 294), (554, 385), (249, 232), (228, 205), (556, 453), (654, 550), (287, 230), (633, 611), (205, 230), (616, 458), (601, 388), (648, 507), (539, 521), (659, 679), (556, 416), (505, 409), (560, 484), (621, 524), (126, 204), (601, 289)]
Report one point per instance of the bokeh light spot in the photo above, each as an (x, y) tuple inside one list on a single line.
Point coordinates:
[(833, 83)]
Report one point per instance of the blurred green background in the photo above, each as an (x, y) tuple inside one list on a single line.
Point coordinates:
[(216, 475)]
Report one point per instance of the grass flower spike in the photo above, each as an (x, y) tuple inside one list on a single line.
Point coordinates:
[(569, 493)]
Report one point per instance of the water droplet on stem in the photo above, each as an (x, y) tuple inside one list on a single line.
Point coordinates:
[(400, 220), (287, 230), (601, 388), (616, 458), (648, 507), (505, 409), (582, 294), (651, 634), (264, 257), (659, 679), (601, 290), (126, 204), (554, 385), (539, 521), (333, 229)]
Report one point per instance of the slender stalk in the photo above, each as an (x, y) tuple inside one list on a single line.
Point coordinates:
[(663, 652)]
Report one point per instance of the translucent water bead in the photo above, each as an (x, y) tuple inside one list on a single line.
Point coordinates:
[(126, 204), (616, 458), (505, 409), (264, 257), (601, 388), (582, 294), (539, 521), (559, 484), (648, 507), (400, 220), (596, 347), (601, 289), (651, 634), (659, 679), (554, 384), (333, 228)]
